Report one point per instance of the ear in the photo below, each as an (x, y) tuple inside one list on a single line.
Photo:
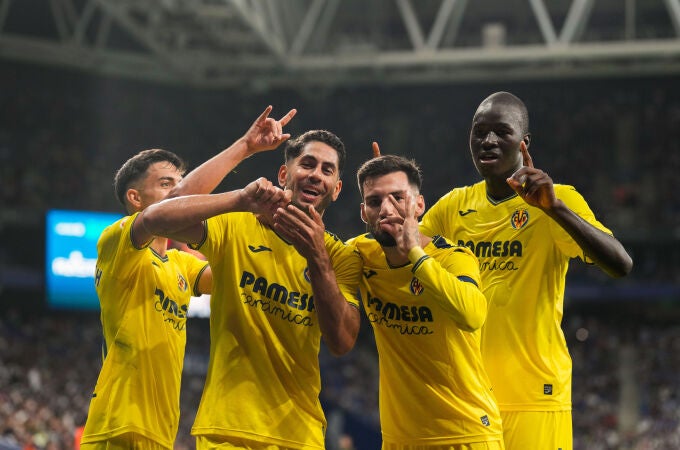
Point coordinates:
[(364, 219), (283, 174), (336, 191), (134, 199), (420, 205), (527, 139)]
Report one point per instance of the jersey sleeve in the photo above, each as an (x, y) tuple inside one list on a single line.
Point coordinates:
[(347, 266), (194, 268), (115, 248), (434, 221), (216, 233), (453, 279), (574, 201)]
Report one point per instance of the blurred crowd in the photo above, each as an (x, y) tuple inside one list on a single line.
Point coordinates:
[(625, 388)]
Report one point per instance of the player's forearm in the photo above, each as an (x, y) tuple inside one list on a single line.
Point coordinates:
[(206, 177), (604, 249), (457, 294), (173, 215), (338, 319)]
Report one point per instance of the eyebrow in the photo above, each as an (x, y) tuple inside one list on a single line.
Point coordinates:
[(315, 159), (394, 194)]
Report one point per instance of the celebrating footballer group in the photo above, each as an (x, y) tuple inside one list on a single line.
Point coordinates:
[(465, 299)]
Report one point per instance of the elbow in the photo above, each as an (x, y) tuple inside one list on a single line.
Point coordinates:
[(474, 316), (473, 323), (340, 345), (340, 349), (623, 268), (473, 320)]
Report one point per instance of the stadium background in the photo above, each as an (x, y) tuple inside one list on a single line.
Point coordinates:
[(603, 91)]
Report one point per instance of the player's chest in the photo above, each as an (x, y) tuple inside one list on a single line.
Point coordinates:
[(486, 222), (170, 281)]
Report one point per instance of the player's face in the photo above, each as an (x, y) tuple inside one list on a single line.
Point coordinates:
[(494, 140), (313, 177), (378, 206), (161, 177)]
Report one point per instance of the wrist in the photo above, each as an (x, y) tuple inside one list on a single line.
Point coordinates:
[(415, 253)]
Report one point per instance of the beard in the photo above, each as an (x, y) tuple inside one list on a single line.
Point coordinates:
[(384, 238)]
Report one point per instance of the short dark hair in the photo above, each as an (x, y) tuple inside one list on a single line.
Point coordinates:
[(135, 169), (386, 164), (511, 100), (294, 146)]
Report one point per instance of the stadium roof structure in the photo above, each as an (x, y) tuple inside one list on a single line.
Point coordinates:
[(289, 43)]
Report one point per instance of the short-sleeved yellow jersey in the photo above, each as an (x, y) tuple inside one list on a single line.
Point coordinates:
[(523, 256), (144, 299), (263, 379), (426, 318)]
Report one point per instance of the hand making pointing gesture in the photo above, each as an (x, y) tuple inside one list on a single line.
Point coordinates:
[(532, 184)]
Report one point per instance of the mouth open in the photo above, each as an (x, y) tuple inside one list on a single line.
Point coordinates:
[(488, 158), (309, 195)]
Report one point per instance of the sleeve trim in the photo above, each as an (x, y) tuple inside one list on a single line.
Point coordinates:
[(467, 279)]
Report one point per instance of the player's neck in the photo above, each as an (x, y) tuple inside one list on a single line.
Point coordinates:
[(498, 189), (159, 245), (394, 257)]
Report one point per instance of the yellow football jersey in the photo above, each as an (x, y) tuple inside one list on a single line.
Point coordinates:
[(144, 299), (426, 318), (523, 256), (263, 377)]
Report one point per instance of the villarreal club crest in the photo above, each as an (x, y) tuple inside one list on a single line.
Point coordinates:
[(519, 218)]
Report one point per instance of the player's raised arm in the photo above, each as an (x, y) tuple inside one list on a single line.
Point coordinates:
[(181, 218), (265, 133)]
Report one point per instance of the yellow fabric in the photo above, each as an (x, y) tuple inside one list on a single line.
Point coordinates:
[(495, 445), (433, 388), (523, 256), (263, 378), (129, 441), (144, 299), (536, 430), (217, 443)]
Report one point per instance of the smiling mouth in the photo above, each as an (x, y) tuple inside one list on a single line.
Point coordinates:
[(309, 194)]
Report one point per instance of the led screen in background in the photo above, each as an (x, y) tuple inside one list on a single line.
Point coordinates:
[(71, 256)]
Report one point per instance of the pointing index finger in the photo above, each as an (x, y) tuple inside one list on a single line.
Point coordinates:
[(525, 155), (376, 150)]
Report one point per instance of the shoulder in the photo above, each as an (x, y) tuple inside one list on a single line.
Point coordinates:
[(568, 193), (336, 247), (441, 244), (368, 249), (460, 194), (116, 230), (362, 241)]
